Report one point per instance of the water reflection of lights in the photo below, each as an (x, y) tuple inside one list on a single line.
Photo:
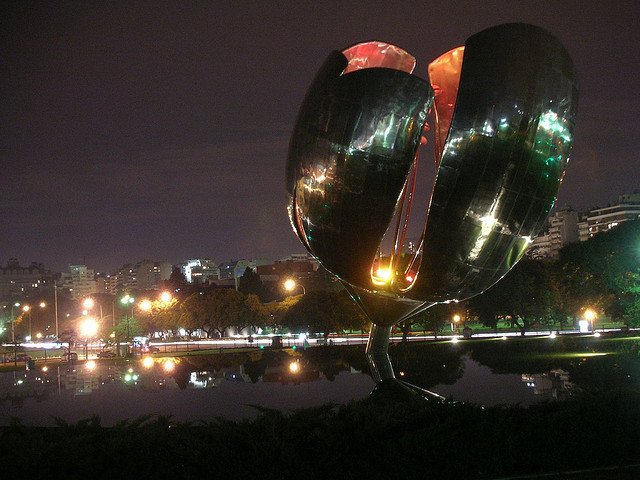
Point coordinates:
[(294, 367), (169, 365), (147, 362)]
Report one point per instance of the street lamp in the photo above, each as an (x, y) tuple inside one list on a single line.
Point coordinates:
[(27, 310), (145, 305), (166, 297), (590, 316), (126, 301), (454, 324), (88, 329), (13, 332), (290, 285)]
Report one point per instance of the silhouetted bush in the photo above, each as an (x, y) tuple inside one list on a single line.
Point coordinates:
[(373, 438)]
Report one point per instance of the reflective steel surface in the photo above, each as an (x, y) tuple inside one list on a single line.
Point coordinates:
[(503, 124), (353, 145), (503, 161)]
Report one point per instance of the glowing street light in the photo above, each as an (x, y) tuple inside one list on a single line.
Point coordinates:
[(88, 303), (127, 300), (88, 329), (145, 305), (454, 324), (590, 316), (27, 310), (166, 297), (13, 331), (290, 285)]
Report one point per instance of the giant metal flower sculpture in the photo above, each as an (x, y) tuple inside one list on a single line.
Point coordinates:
[(501, 112)]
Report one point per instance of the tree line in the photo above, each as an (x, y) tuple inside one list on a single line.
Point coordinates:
[(217, 312), (602, 273)]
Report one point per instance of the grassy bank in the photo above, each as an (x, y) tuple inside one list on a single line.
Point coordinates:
[(381, 437)]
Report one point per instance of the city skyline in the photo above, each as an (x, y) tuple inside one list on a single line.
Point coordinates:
[(132, 131)]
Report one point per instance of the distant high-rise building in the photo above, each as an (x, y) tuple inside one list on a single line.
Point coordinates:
[(287, 267), (18, 281), (148, 274), (200, 270), (143, 275), (301, 258), (604, 219), (236, 268), (562, 228), (79, 281)]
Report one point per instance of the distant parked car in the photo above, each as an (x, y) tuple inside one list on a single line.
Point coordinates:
[(69, 356), (106, 354)]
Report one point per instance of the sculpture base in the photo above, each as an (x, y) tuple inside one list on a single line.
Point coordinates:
[(378, 353)]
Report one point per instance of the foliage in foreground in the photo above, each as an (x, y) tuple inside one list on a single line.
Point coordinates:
[(375, 438)]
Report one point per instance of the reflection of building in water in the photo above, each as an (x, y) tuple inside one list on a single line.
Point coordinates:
[(149, 380), (15, 387), (82, 381), (554, 384), (79, 380), (213, 378), (283, 374), (279, 373)]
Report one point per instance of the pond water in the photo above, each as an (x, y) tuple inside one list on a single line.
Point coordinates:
[(232, 385)]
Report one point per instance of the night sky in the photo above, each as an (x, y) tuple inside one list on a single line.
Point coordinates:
[(159, 130)]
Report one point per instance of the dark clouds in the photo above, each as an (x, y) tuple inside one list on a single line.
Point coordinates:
[(159, 130)]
